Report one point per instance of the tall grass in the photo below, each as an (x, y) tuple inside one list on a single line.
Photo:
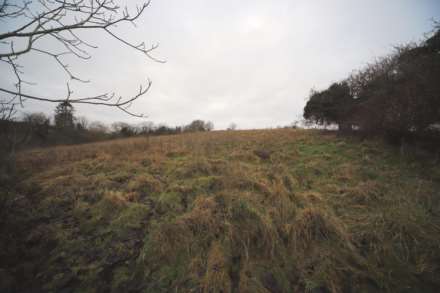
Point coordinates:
[(240, 211)]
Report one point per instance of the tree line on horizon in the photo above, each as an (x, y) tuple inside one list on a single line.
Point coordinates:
[(396, 97), (39, 129)]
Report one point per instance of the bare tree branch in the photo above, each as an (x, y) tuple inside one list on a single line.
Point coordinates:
[(60, 20), (107, 99)]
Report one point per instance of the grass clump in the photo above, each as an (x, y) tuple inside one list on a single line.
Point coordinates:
[(145, 184), (216, 279), (313, 226)]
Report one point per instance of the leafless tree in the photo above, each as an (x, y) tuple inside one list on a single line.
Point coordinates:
[(124, 129), (38, 123), (12, 134), (7, 113), (199, 125), (32, 21), (98, 127), (232, 126), (82, 122)]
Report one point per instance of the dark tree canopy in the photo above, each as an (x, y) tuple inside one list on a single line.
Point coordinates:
[(330, 106), (199, 125), (398, 95), (63, 117)]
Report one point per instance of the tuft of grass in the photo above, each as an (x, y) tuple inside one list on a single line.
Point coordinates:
[(313, 226), (216, 279)]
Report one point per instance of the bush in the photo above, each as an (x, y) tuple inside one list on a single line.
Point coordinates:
[(396, 97)]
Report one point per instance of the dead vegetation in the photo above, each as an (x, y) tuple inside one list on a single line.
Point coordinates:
[(243, 211)]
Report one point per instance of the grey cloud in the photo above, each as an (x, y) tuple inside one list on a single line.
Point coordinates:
[(249, 62)]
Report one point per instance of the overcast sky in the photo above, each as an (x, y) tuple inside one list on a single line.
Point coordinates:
[(248, 62)]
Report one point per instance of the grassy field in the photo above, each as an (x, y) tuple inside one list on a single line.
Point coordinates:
[(240, 211)]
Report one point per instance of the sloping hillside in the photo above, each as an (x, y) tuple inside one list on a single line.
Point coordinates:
[(240, 211)]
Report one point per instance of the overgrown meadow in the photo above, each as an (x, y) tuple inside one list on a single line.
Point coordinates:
[(226, 211)]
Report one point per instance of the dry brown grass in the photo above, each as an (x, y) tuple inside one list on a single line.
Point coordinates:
[(216, 279), (238, 211)]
